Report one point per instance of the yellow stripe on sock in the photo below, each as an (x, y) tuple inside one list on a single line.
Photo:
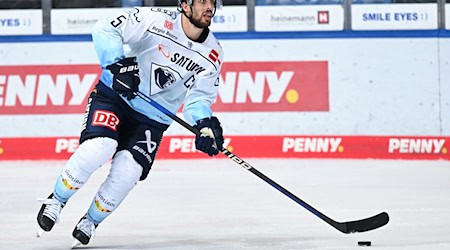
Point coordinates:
[(97, 204), (66, 183)]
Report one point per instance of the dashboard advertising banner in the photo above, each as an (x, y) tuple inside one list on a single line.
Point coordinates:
[(299, 18), (21, 22), (300, 98), (230, 19), (250, 86), (80, 21), (447, 16), (420, 16), (273, 86), (46, 89), (284, 146)]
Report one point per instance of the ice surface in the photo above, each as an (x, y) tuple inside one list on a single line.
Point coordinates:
[(215, 204)]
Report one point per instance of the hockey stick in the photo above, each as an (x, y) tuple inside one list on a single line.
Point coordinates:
[(356, 226)]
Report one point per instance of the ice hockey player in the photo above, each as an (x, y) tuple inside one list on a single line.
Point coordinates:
[(171, 56)]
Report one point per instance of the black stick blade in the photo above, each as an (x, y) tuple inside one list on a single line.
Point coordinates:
[(363, 225)]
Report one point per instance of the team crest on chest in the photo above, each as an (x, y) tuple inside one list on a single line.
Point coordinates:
[(162, 77)]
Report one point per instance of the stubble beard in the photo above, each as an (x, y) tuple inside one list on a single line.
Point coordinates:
[(197, 23)]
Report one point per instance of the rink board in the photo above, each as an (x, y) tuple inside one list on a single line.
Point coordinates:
[(367, 91), (287, 146)]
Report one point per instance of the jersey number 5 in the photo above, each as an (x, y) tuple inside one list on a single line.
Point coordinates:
[(116, 22)]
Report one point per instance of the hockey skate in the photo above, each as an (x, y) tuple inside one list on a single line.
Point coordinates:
[(84, 231), (49, 214)]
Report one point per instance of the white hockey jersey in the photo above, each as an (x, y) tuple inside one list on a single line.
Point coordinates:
[(173, 69)]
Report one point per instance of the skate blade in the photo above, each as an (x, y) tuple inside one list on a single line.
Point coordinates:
[(39, 232), (75, 243)]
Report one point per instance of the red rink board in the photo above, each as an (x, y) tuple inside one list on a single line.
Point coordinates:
[(286, 146)]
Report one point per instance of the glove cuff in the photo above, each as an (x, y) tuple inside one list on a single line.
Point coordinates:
[(205, 122)]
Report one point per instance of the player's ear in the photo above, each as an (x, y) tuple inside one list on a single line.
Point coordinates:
[(185, 7)]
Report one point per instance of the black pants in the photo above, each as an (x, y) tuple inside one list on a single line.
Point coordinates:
[(107, 115)]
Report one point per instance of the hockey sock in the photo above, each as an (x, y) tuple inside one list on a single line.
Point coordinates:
[(124, 175), (89, 156)]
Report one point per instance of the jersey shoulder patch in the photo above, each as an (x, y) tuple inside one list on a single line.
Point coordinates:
[(216, 53)]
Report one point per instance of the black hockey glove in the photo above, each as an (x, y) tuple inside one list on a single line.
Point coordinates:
[(210, 139), (126, 77)]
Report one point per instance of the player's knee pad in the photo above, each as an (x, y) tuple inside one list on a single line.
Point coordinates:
[(125, 170), (93, 153), (89, 156)]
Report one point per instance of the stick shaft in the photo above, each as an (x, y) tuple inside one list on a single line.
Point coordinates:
[(236, 159), (345, 227)]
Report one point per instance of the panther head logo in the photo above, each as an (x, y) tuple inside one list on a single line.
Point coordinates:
[(164, 78)]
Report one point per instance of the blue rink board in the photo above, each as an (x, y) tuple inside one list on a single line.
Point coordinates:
[(257, 35)]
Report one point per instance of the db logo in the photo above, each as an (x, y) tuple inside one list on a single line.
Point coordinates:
[(106, 119)]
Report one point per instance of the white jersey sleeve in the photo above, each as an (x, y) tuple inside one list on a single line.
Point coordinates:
[(173, 69)]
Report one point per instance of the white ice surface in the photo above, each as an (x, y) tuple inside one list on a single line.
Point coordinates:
[(215, 204)]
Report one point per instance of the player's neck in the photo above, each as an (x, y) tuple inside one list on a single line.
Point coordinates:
[(189, 29)]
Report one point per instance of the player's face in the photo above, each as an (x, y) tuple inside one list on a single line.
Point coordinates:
[(202, 12)]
